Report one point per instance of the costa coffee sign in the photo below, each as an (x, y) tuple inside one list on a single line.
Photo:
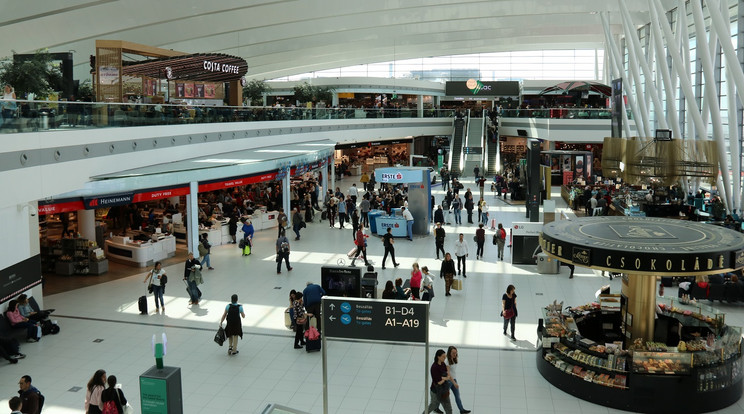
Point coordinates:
[(210, 66)]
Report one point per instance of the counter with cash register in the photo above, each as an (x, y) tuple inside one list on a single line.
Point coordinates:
[(140, 251)]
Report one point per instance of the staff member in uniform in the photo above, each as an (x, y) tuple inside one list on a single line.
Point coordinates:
[(409, 221)]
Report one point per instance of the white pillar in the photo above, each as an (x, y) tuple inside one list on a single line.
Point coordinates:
[(678, 66), (87, 224), (192, 220), (711, 98), (616, 60), (264, 99), (666, 78), (633, 63), (285, 195), (420, 106), (334, 99), (331, 176)]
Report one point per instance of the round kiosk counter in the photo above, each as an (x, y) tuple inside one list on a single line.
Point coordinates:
[(617, 354)]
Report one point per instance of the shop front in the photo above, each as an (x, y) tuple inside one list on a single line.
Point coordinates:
[(630, 348), (365, 157)]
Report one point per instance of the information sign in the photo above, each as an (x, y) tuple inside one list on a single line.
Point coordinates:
[(373, 319)]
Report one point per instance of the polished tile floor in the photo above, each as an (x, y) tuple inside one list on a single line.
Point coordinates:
[(101, 328)]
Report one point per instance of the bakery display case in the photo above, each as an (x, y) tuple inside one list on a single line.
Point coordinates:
[(576, 355), (663, 363)]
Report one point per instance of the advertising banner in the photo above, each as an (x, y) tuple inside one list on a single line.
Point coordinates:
[(393, 175)]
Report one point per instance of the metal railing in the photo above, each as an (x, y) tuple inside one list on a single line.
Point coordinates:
[(560, 113), (28, 116)]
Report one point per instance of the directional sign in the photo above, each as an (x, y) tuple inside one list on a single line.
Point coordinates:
[(374, 319)]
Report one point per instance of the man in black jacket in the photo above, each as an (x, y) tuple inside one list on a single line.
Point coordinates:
[(31, 398), (439, 239)]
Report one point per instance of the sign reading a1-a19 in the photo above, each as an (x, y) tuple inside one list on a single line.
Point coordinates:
[(378, 320)]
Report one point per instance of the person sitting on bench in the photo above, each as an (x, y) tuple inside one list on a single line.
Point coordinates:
[(27, 311), (18, 321)]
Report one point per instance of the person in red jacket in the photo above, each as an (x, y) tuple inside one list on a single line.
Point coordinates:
[(361, 245)]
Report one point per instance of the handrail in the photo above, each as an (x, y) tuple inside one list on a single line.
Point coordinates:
[(30, 116), (484, 146), (560, 113), (464, 142)]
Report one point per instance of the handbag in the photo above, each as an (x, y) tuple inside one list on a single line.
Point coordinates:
[(220, 336), (508, 314), (125, 408)]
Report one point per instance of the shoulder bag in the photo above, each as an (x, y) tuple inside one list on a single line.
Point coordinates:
[(125, 408)]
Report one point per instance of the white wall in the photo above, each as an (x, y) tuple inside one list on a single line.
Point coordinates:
[(567, 130)]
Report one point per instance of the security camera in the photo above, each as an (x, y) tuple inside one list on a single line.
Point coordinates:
[(32, 210)]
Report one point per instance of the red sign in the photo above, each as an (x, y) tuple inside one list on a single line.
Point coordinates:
[(235, 182), (60, 207), (158, 194)]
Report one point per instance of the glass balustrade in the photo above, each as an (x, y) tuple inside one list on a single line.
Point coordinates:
[(560, 113), (28, 116)]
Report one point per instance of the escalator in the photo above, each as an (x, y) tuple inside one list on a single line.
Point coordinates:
[(456, 146), (474, 138), (492, 153)]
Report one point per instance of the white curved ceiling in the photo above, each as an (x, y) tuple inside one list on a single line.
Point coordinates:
[(286, 37)]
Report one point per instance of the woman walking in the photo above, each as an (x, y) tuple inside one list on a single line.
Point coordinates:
[(509, 309), (193, 278), (427, 285), (234, 328), (114, 394), (300, 315), (454, 386), (157, 279), (448, 273), (416, 281), (480, 240), (93, 403), (439, 391)]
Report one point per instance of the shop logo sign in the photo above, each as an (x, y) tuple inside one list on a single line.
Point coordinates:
[(633, 231), (476, 86), (391, 176), (389, 225), (581, 256), (739, 260)]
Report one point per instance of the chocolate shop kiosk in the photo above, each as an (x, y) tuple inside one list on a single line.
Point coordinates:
[(634, 350)]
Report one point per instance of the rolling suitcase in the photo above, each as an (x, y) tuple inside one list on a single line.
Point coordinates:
[(142, 303), (312, 345)]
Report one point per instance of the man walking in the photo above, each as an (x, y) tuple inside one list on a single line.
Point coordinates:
[(353, 192), (311, 296), (469, 205), (461, 251), (439, 239), (364, 207), (409, 222), (30, 396), (500, 237), (388, 241), (282, 253), (281, 220)]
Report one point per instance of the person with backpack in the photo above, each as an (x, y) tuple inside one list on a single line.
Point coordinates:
[(500, 240), (282, 252), (204, 249), (96, 385), (234, 328), (113, 398), (31, 399)]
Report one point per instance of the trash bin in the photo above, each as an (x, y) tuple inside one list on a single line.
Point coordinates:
[(546, 265), (369, 286), (44, 120)]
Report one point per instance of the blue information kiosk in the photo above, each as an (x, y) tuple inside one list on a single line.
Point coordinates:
[(418, 181)]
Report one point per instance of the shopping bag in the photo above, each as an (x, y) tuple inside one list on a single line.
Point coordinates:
[(457, 284), (220, 336)]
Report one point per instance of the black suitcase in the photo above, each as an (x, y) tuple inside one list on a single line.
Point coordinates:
[(142, 303), (312, 346), (324, 215)]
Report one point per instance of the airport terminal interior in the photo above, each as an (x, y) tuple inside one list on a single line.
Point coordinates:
[(170, 100)]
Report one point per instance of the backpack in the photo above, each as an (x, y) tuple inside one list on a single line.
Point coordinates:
[(109, 407), (502, 234), (284, 246)]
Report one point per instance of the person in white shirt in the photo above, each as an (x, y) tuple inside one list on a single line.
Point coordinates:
[(461, 251), (353, 192), (409, 221)]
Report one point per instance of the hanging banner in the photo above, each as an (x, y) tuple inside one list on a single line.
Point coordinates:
[(236, 181)]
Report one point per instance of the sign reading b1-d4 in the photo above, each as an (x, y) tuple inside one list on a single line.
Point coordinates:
[(377, 320)]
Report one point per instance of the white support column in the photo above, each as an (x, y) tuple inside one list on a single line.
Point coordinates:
[(87, 224), (616, 60), (285, 195), (633, 62), (722, 28), (192, 220), (334, 99), (420, 106), (683, 45), (630, 31), (711, 98), (666, 77), (734, 147), (678, 65)]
